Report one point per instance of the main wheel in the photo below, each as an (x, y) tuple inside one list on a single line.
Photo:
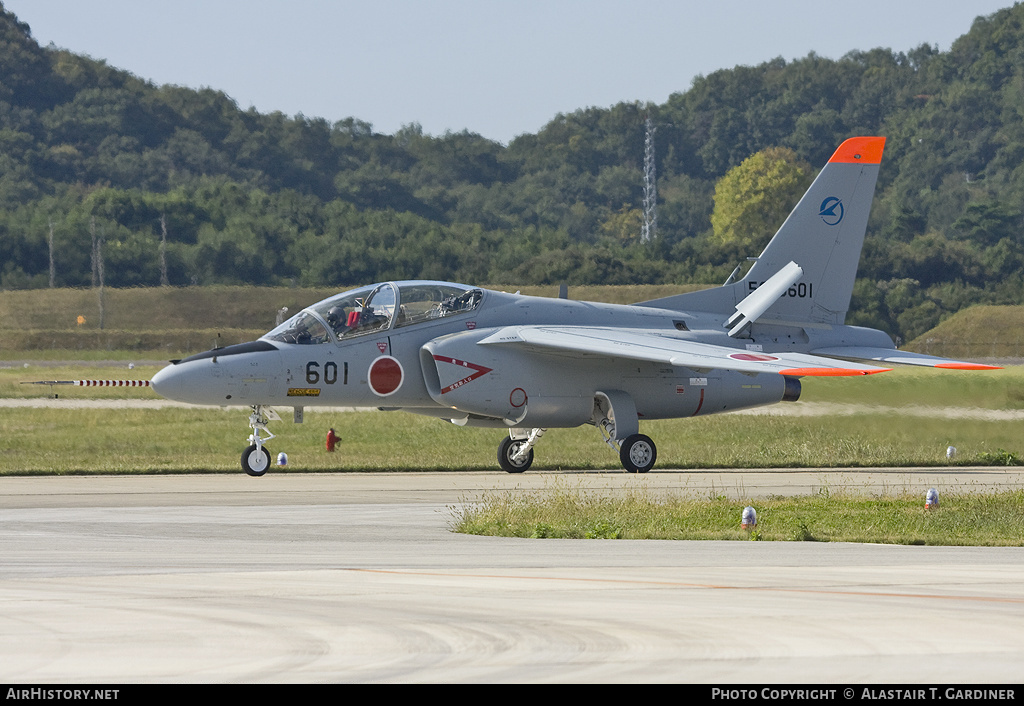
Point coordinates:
[(507, 449), (256, 461), (638, 453)]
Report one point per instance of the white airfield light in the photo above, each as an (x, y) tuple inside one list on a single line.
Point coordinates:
[(749, 518)]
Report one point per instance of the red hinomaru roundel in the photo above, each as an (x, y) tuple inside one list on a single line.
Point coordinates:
[(385, 376), (752, 356)]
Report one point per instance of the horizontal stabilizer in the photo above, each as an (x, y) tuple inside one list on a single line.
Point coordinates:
[(644, 344), (891, 356), (758, 301)]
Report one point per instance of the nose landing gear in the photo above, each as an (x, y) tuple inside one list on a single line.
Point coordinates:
[(256, 458)]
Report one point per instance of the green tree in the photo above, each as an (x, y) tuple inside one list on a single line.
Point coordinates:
[(624, 225), (753, 199)]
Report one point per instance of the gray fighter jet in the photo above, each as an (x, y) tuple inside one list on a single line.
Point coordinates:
[(477, 357)]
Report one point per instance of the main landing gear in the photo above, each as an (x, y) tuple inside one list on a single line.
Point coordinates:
[(515, 452), (636, 452), (614, 415), (256, 458)]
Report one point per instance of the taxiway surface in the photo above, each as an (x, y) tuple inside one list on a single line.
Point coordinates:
[(357, 577)]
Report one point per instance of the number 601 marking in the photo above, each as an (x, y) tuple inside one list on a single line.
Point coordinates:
[(330, 372)]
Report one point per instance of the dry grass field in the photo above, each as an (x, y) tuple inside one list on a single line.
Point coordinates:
[(170, 321)]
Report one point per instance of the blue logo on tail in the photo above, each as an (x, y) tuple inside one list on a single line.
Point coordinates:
[(831, 211)]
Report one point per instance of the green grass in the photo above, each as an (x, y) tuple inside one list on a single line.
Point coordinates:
[(560, 511), (73, 440), (882, 432)]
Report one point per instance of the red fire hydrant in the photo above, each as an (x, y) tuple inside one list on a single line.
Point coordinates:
[(332, 439)]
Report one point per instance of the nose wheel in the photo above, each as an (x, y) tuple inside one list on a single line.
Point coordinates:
[(256, 460)]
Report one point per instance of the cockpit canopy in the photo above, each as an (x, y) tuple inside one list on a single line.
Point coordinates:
[(378, 307)]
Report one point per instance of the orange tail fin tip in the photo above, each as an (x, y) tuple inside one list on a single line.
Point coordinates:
[(865, 150)]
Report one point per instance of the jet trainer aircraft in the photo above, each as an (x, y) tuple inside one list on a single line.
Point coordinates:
[(476, 357)]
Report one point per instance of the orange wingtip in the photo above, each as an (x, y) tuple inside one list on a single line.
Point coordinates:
[(830, 372), (967, 366), (863, 150)]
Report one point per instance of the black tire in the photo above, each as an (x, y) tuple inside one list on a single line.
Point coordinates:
[(256, 463), (638, 453), (506, 449)]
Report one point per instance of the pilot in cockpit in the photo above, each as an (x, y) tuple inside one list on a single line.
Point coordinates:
[(337, 317), (459, 302), (366, 319), (359, 318)]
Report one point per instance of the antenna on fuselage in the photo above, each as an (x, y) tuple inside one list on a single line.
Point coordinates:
[(732, 276)]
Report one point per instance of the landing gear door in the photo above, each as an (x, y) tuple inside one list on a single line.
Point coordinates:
[(615, 412)]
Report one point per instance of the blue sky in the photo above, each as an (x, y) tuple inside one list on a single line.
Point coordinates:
[(495, 67)]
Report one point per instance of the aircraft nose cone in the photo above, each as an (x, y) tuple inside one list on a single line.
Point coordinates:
[(172, 383)]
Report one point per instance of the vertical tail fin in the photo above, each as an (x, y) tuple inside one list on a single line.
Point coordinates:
[(823, 235)]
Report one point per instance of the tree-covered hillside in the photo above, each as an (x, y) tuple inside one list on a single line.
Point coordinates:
[(180, 186)]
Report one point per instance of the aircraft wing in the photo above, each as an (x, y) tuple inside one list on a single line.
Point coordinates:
[(893, 356), (656, 347)]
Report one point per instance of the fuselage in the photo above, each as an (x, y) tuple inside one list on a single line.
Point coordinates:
[(416, 346)]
